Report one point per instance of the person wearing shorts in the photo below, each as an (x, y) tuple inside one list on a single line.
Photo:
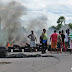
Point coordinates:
[(54, 45), (66, 39), (70, 38), (68, 32), (53, 40), (59, 40), (44, 43), (32, 43)]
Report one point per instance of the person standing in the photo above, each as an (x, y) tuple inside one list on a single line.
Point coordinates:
[(63, 43), (32, 43), (59, 42), (44, 43), (66, 39), (70, 38), (68, 32), (53, 40)]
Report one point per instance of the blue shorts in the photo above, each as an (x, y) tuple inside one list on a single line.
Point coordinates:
[(44, 41)]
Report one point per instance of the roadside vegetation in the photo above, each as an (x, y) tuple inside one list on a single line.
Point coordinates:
[(60, 22)]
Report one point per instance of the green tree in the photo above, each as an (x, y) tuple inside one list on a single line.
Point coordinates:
[(61, 20), (70, 25)]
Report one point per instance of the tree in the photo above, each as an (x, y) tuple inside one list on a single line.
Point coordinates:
[(61, 20), (70, 25)]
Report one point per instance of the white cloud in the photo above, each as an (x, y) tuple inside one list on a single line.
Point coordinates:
[(51, 8)]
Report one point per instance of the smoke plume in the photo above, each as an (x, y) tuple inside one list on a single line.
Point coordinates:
[(38, 24), (10, 17)]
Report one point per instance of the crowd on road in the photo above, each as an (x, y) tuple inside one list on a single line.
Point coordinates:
[(58, 41)]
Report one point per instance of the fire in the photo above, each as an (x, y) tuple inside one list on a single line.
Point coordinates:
[(12, 45), (8, 44)]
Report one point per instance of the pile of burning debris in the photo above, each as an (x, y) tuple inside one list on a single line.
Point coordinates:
[(18, 48), (26, 47)]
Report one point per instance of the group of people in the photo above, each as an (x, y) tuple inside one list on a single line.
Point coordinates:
[(58, 40), (43, 41)]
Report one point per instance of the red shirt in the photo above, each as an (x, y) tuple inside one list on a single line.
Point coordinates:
[(54, 37)]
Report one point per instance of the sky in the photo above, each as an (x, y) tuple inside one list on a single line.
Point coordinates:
[(52, 9)]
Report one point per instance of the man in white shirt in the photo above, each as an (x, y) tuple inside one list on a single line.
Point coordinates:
[(32, 43), (66, 39)]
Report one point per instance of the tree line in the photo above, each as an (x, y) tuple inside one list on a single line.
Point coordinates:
[(61, 20)]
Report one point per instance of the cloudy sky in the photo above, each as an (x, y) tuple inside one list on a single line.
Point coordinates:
[(52, 9)]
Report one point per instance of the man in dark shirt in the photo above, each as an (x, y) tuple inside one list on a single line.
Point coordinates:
[(59, 40), (63, 37)]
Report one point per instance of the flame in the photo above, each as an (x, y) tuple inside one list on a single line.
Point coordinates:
[(8, 45), (12, 45)]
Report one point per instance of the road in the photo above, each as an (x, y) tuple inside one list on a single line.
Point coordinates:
[(58, 63)]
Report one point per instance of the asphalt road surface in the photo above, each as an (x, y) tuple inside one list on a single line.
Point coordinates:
[(58, 63)]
